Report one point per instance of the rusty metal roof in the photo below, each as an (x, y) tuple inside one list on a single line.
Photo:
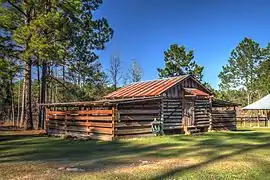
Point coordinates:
[(195, 92), (146, 88)]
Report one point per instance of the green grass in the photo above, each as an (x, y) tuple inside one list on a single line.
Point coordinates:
[(244, 154)]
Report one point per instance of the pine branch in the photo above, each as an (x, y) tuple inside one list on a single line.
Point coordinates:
[(16, 7)]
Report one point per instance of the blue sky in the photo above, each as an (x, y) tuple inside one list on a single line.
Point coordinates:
[(143, 29)]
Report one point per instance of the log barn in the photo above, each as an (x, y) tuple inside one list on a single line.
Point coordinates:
[(181, 103)]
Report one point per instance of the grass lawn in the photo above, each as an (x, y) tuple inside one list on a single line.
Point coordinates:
[(244, 154)]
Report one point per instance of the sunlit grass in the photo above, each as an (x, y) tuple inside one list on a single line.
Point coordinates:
[(244, 154)]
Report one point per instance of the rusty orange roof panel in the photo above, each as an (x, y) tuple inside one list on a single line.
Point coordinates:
[(195, 92), (146, 88)]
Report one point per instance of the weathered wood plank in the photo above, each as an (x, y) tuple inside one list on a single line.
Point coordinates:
[(132, 124), (82, 118), (155, 111), (132, 131), (137, 117), (82, 112)]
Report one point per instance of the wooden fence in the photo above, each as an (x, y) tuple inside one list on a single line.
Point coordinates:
[(243, 121), (94, 123), (115, 121)]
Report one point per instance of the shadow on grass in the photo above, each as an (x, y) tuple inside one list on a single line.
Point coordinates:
[(96, 155), (218, 158)]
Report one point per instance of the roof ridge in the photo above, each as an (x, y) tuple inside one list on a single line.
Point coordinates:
[(175, 77)]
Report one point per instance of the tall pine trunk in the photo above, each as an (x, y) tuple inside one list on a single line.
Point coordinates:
[(12, 102), (23, 99), (18, 108), (28, 95), (42, 95)]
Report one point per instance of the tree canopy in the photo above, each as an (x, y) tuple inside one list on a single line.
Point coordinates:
[(242, 68), (178, 61)]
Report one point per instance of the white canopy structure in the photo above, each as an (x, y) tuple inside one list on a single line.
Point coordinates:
[(261, 104)]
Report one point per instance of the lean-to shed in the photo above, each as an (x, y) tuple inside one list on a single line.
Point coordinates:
[(182, 103)]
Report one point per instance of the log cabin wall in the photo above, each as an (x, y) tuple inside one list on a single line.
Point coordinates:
[(172, 113), (134, 118), (202, 112), (224, 119), (172, 108)]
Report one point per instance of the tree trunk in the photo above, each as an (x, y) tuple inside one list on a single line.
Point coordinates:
[(23, 98), (12, 102), (64, 73), (18, 108), (42, 95), (52, 86), (28, 93)]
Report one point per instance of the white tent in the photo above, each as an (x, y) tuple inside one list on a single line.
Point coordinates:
[(261, 104)]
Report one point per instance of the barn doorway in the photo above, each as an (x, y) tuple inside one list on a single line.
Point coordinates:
[(188, 115)]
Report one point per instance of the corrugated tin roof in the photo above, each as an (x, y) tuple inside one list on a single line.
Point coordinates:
[(101, 102), (146, 88), (262, 104), (195, 92)]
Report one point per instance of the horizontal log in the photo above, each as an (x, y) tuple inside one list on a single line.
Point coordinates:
[(172, 120), (81, 112), (202, 125), (172, 100), (201, 115), (77, 129), (82, 118), (172, 127), (132, 124), (134, 112), (201, 118), (132, 131), (171, 124), (172, 117), (92, 124), (225, 118), (53, 122), (150, 106), (202, 122), (201, 110), (224, 124), (225, 111), (173, 106), (138, 117), (61, 128)]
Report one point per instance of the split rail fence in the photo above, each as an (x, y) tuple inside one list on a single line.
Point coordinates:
[(252, 121)]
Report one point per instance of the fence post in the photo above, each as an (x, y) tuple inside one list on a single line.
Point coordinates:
[(66, 120), (46, 119), (210, 128), (114, 117)]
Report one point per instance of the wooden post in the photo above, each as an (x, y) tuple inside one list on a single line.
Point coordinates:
[(268, 119), (258, 120), (114, 117), (210, 128), (66, 120), (46, 119)]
